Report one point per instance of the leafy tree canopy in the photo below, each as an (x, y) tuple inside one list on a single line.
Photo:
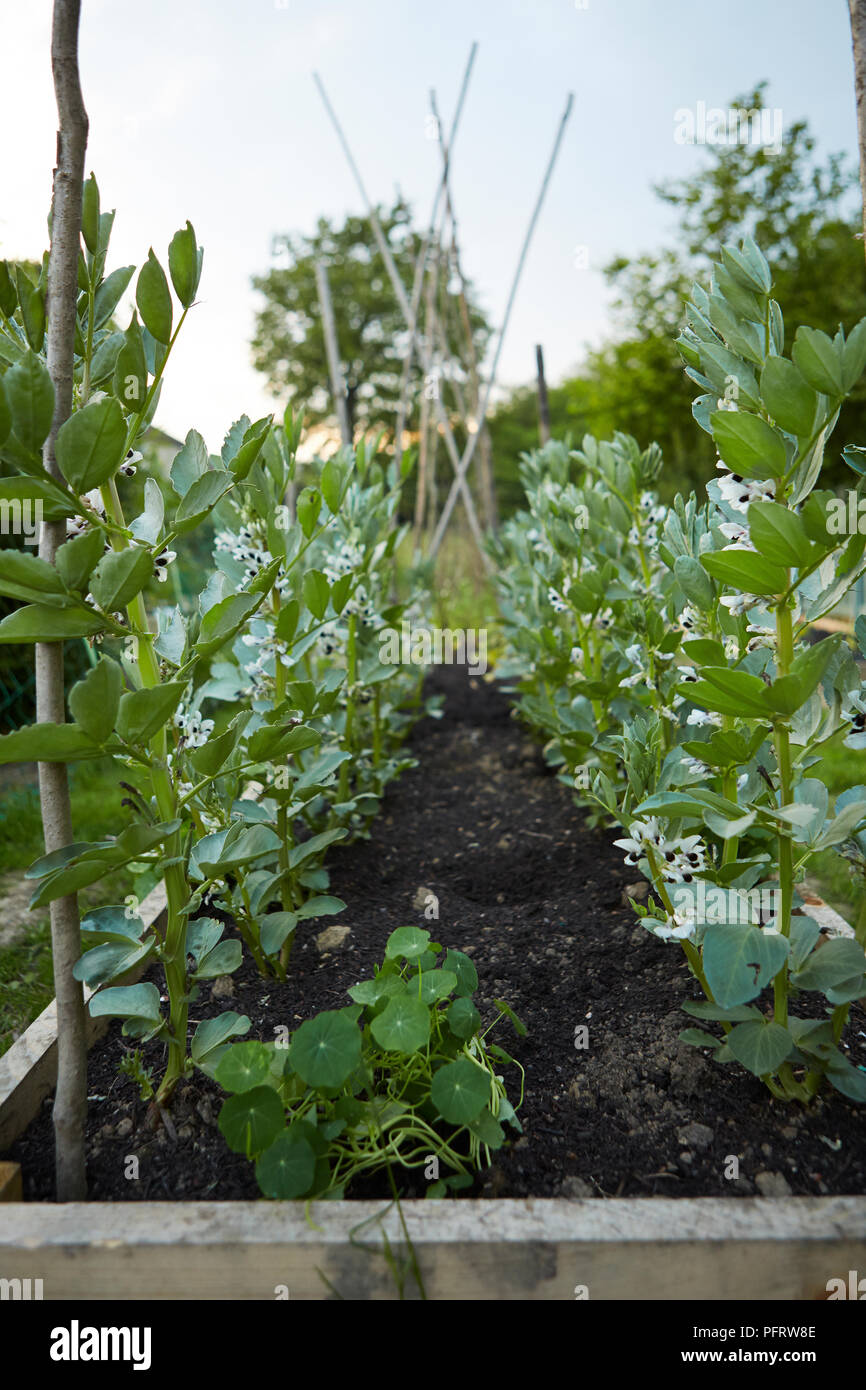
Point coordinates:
[(289, 343)]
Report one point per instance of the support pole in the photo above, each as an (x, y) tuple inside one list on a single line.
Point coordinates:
[(335, 371), (543, 403), (463, 465)]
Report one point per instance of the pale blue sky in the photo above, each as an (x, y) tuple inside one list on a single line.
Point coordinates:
[(208, 111)]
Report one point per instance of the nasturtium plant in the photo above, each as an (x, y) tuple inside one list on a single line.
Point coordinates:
[(402, 1075), (665, 655)]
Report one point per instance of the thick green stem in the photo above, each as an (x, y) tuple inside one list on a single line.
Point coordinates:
[(348, 732)]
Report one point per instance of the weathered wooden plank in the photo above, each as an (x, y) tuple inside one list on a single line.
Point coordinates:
[(28, 1071), (645, 1248), (10, 1182)]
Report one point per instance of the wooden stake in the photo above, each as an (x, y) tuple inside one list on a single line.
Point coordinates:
[(460, 486), (70, 1104), (464, 463), (543, 403), (858, 35), (338, 385)]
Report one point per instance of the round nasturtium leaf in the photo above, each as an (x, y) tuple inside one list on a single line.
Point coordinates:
[(460, 1091), (326, 1049), (463, 1018), (243, 1066), (404, 1026), (408, 942), (286, 1169), (467, 975), (435, 984), (251, 1121)]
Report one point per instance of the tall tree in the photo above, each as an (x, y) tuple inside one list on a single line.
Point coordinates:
[(289, 342), (70, 1103), (798, 209)]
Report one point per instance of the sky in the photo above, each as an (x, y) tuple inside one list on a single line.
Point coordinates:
[(207, 110)]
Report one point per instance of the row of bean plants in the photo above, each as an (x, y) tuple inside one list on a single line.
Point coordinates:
[(665, 655), (253, 728)]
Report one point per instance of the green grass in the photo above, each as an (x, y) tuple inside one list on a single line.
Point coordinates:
[(26, 983)]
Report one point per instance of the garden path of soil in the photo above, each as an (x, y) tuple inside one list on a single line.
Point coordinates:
[(537, 899)]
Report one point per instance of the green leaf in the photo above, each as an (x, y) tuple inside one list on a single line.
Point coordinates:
[(46, 743), (840, 959), (8, 293), (77, 559), (326, 1049), (250, 1122), (705, 1008), (321, 906), (110, 960), (90, 214), (110, 293), (761, 1047), (727, 691), (200, 498), (462, 967), (93, 701), (696, 1037), (848, 1080), (740, 960), (214, 1033), (55, 506), (90, 444), (695, 583), (243, 1066), (460, 1090), (184, 265), (120, 575), (331, 483), (224, 959), (287, 1168), (403, 1026), (854, 356), (307, 509), (274, 928), (818, 360), (32, 302), (30, 396), (127, 1001), (222, 622), (407, 942), (748, 445), (788, 397), (745, 571), (153, 298), (143, 712), (37, 622), (434, 984), (24, 576), (316, 591), (314, 845), (463, 1018), (189, 463), (779, 534), (519, 1027)]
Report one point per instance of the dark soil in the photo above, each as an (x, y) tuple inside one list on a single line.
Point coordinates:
[(537, 899)]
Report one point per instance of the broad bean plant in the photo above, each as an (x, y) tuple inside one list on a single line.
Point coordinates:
[(713, 703), (191, 816), (403, 1075), (310, 658)]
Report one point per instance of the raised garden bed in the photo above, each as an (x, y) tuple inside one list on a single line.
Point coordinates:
[(539, 902)]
